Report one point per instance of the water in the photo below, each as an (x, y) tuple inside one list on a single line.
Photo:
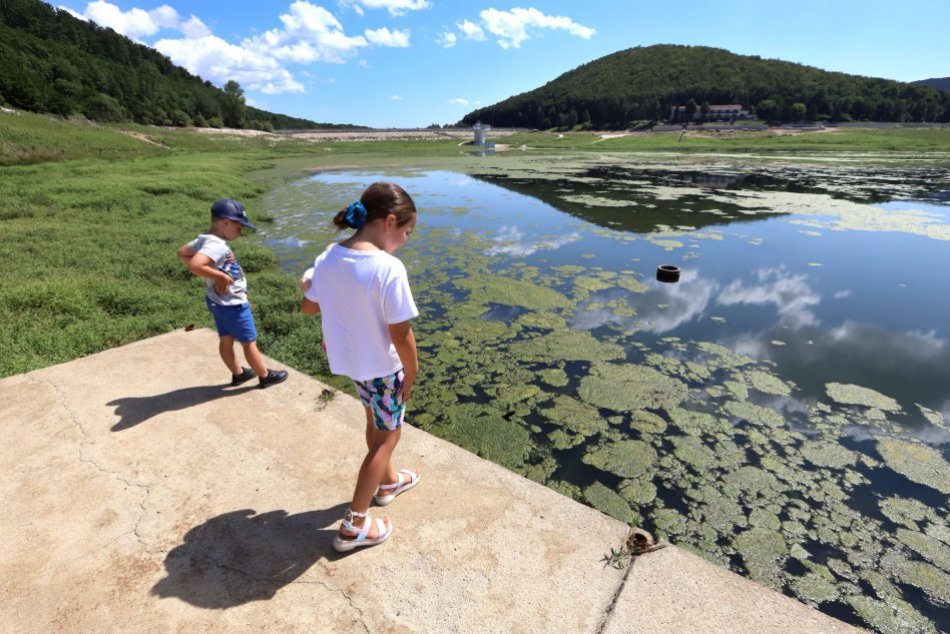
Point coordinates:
[(781, 410)]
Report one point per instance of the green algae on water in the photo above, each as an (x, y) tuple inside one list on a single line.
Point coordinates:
[(625, 458), (918, 462), (856, 395), (607, 501), (630, 387)]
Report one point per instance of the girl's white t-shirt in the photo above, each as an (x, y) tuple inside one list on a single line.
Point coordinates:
[(360, 294)]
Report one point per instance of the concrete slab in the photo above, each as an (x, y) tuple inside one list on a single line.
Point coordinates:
[(144, 493)]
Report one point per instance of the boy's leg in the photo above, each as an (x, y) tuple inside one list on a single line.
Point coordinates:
[(254, 357), (226, 350)]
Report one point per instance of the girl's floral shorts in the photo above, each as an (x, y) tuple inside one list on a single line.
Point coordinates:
[(379, 395)]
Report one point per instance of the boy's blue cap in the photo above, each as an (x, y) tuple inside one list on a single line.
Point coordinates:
[(232, 210)]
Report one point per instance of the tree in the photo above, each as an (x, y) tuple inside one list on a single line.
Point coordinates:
[(233, 109), (691, 108), (767, 109), (798, 111)]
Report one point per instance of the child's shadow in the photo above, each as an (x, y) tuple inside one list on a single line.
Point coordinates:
[(240, 557), (138, 409)]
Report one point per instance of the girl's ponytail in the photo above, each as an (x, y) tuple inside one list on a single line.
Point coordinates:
[(378, 201)]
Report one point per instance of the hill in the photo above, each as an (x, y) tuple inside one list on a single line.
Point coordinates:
[(643, 83), (940, 83), (51, 62)]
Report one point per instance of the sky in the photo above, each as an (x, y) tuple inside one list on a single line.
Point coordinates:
[(412, 63)]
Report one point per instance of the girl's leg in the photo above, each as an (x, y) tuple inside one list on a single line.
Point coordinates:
[(371, 473), (371, 432), (226, 350)]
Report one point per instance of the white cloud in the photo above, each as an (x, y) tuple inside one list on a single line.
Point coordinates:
[(385, 37), (396, 98), (218, 61), (791, 295), (78, 16), (510, 241), (471, 31), (512, 27), (310, 34), (395, 7), (194, 28), (447, 40), (458, 101), (134, 23)]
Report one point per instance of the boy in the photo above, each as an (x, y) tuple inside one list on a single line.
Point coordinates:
[(210, 257)]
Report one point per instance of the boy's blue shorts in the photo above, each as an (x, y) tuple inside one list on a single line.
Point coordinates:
[(234, 321)]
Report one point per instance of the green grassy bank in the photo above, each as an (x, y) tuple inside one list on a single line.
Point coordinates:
[(90, 217), (871, 141)]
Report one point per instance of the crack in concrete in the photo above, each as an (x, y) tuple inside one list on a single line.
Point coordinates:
[(322, 584), (63, 403), (613, 602)]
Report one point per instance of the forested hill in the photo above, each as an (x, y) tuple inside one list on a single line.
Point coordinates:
[(51, 62), (941, 83), (643, 83)]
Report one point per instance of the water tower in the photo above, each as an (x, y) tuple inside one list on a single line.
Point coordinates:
[(481, 133)]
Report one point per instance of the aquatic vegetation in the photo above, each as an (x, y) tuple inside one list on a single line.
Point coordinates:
[(768, 383), (857, 395), (488, 434), (566, 345), (555, 377), (814, 588), (608, 501), (493, 288), (827, 454), (642, 387), (575, 416), (691, 450), (918, 462), (647, 422), (934, 417), (904, 511), (753, 413), (728, 435), (931, 549), (762, 552), (626, 458)]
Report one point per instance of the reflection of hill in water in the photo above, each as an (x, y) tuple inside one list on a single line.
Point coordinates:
[(622, 197), (608, 202)]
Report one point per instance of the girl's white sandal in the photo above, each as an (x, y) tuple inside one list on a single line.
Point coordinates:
[(397, 487), (345, 544)]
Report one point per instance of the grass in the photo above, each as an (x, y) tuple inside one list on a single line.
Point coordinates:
[(852, 140), (91, 217)]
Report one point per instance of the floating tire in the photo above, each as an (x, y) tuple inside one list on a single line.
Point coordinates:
[(668, 273)]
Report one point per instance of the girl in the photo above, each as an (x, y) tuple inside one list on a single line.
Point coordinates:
[(362, 292)]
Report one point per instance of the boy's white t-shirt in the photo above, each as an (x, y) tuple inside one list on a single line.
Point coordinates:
[(360, 294)]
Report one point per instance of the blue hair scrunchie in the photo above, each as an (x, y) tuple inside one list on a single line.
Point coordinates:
[(355, 215)]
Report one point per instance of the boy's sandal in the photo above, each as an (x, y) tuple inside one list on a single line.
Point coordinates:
[(397, 487), (344, 544)]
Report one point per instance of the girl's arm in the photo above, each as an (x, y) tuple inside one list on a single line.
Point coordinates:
[(405, 341), (308, 307)]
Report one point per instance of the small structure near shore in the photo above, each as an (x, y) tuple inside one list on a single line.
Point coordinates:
[(481, 133)]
